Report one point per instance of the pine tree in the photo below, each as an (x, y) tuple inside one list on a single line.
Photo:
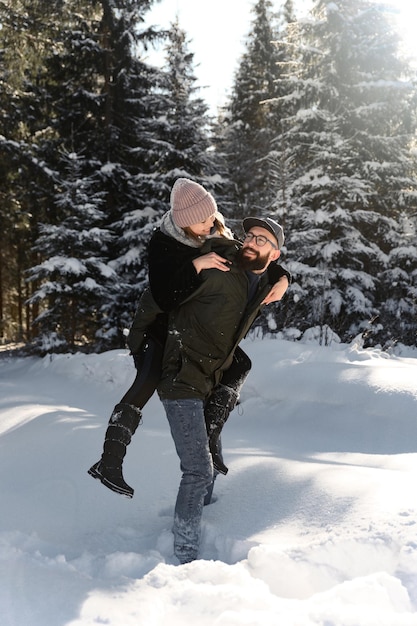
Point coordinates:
[(28, 31), (185, 123), (397, 315), (347, 129), (94, 96), (75, 276), (248, 122), (174, 141), (128, 152)]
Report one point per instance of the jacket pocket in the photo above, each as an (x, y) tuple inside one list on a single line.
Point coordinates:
[(197, 371)]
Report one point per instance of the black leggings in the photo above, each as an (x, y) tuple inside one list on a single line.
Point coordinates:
[(148, 363)]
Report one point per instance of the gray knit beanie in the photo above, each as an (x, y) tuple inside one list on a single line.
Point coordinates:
[(190, 203)]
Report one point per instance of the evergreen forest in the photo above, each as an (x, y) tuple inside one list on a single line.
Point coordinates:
[(319, 133)]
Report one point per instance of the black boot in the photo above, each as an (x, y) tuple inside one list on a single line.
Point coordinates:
[(216, 451), (216, 412), (122, 425)]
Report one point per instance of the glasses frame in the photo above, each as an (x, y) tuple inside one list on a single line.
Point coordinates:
[(265, 240)]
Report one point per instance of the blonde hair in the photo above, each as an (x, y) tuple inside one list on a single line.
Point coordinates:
[(218, 228)]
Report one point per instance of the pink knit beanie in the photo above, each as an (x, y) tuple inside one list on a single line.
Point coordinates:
[(190, 203)]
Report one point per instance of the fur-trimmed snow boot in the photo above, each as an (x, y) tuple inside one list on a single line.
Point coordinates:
[(216, 412), (122, 425)]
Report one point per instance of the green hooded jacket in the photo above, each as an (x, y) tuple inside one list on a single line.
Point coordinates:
[(205, 330)]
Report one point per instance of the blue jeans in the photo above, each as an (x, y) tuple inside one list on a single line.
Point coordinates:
[(188, 429)]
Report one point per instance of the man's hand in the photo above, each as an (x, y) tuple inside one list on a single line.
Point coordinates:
[(277, 291), (211, 261)]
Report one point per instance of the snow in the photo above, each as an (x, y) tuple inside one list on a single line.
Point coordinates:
[(314, 525)]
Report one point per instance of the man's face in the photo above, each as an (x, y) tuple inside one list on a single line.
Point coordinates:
[(255, 257)]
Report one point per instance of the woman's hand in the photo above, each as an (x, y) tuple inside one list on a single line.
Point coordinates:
[(211, 261), (277, 291)]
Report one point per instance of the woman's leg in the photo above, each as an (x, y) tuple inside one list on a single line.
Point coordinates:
[(126, 417), (238, 371), (186, 420), (148, 363)]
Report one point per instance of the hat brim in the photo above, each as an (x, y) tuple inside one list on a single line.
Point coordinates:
[(250, 222)]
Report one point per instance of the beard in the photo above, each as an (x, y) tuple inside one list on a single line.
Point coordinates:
[(253, 263)]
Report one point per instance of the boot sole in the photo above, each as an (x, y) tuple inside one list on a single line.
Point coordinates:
[(104, 481), (222, 469)]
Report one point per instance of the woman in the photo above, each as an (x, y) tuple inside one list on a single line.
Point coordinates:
[(175, 264)]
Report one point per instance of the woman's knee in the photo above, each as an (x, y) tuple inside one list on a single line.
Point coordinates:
[(243, 362)]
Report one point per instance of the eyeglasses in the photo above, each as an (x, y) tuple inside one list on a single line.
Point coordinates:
[(260, 240)]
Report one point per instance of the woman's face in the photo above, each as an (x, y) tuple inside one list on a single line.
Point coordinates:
[(202, 229)]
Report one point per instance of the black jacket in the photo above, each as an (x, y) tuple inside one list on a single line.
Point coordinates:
[(172, 275)]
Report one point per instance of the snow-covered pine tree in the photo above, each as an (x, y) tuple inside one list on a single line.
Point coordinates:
[(172, 141), (101, 97), (346, 132), (397, 315), (129, 148), (29, 31), (75, 277), (248, 125), (184, 121)]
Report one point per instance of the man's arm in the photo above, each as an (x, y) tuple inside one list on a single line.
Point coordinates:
[(280, 279), (277, 291)]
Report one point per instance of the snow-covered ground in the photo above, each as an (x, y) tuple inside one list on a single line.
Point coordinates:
[(315, 524)]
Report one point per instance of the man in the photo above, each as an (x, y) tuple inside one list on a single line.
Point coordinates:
[(203, 334)]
